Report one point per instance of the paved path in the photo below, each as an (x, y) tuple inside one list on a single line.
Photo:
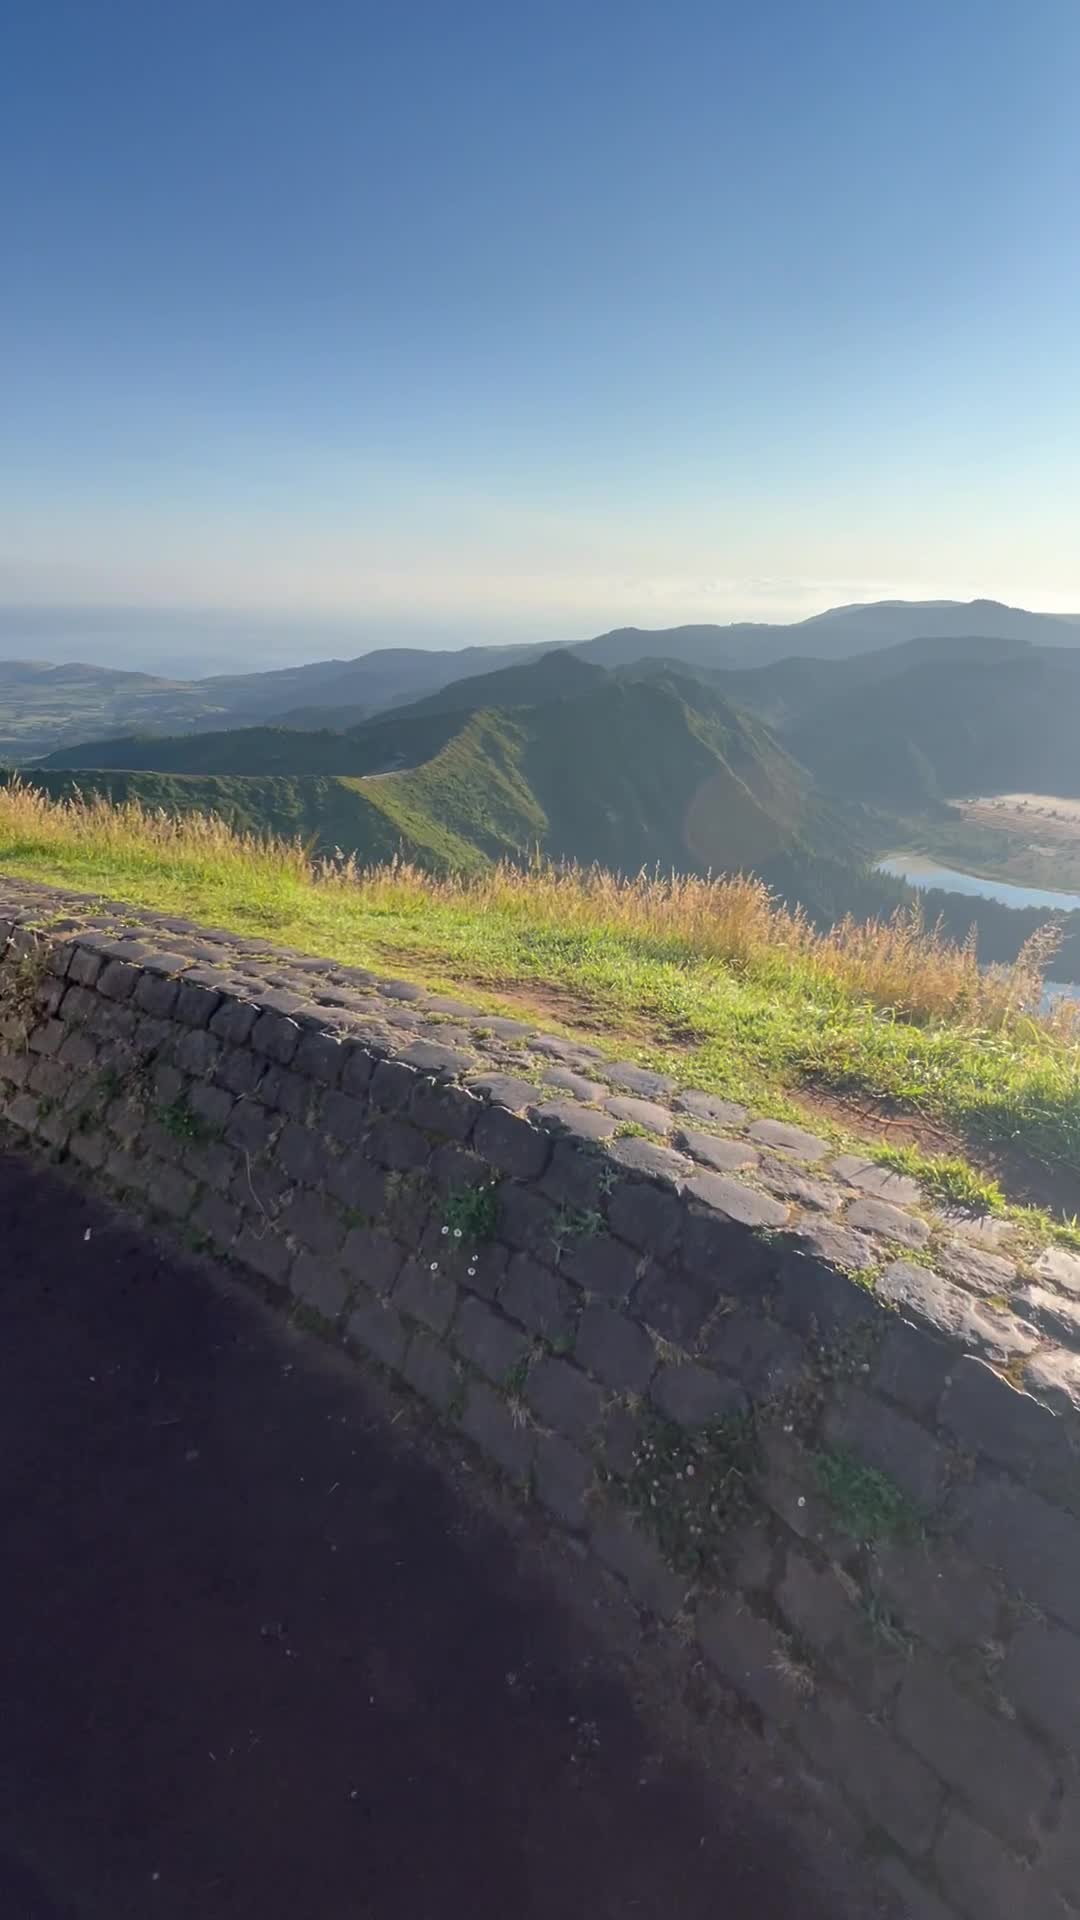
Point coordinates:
[(259, 1659)]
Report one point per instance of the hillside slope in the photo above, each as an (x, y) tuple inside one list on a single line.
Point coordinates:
[(633, 771), (951, 730)]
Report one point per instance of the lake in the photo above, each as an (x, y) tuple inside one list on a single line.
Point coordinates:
[(919, 871)]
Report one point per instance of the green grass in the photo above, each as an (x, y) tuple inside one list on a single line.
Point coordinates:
[(766, 1015)]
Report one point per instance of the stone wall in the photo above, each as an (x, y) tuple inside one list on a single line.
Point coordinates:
[(830, 1432)]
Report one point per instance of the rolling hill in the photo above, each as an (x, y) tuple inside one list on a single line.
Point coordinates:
[(45, 707), (627, 770)]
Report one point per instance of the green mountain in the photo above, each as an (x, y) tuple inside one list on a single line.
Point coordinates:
[(933, 731), (45, 707), (626, 770)]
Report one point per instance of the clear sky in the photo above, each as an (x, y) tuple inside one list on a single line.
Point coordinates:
[(497, 319)]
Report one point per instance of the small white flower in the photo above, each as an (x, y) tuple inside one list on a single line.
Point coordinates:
[(801, 1501), (446, 1229), (690, 1471), (457, 1233), (434, 1266)]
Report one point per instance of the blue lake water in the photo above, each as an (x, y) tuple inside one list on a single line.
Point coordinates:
[(918, 871)]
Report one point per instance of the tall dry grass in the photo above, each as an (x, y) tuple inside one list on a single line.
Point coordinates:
[(899, 964)]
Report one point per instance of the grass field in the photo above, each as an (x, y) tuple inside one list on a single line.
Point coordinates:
[(711, 979)]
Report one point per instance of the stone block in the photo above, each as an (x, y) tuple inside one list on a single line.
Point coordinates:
[(1041, 1676), (302, 1155), (600, 1265), (84, 966), (197, 1052), (78, 1052), (239, 1070), (572, 1178), (709, 1106), (233, 1021), (212, 1106), (1036, 1546), (725, 1255), (526, 1221), (218, 1219), (766, 1359), (487, 1341), (319, 1284), (585, 1126), (116, 981), (616, 1349), (621, 1441), (638, 1080), (752, 1657), (399, 1147), (374, 1325), (985, 1881), (264, 1250), (561, 1397), (429, 1057), (426, 1293), (357, 1183), (392, 1085), (913, 1368), (319, 1057), (1060, 1266), (917, 1900), (1051, 1377), (492, 1427), (733, 1201), (344, 1118), (881, 1182), (194, 1004), (90, 1149), (935, 1593), (646, 1217), (924, 1298), (315, 1222), (887, 1222), (713, 1150), (629, 1552), (694, 1397), (648, 1160), (504, 1090), (894, 1787), (562, 1478), (822, 1605), (357, 1066), (430, 1371), (539, 1299), (47, 1037), (989, 1760), (170, 1191), (445, 1110), (822, 1303), (286, 1092), (372, 1258), (511, 1144), (675, 1304), (1060, 1856), (890, 1442), (156, 995), (276, 1037), (251, 1128), (781, 1136)]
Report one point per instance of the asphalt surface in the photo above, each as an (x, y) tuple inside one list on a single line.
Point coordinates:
[(259, 1657)]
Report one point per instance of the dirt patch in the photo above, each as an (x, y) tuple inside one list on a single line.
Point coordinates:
[(1025, 1180)]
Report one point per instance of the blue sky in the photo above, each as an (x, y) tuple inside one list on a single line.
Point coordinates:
[(488, 319)]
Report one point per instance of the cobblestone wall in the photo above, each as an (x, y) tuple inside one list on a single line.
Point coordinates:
[(829, 1431)]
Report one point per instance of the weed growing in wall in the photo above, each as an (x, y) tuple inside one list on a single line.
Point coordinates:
[(689, 1487)]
